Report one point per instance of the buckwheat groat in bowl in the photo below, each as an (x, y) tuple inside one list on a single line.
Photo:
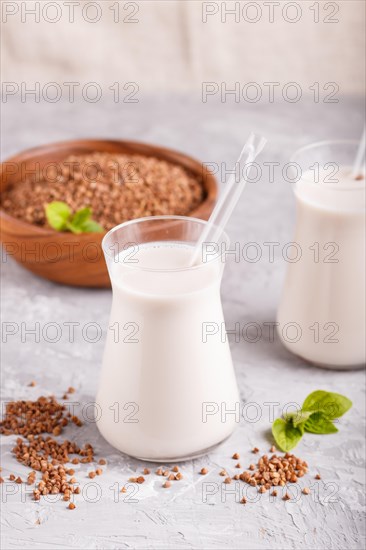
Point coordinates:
[(58, 201)]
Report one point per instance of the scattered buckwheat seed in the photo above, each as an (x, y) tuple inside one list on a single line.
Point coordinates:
[(275, 471)]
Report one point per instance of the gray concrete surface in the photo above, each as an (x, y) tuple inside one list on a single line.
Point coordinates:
[(333, 516)]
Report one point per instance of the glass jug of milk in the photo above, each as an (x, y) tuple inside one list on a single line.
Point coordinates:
[(167, 384), (324, 294)]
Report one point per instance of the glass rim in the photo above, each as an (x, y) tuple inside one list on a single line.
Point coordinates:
[(224, 237), (316, 145)]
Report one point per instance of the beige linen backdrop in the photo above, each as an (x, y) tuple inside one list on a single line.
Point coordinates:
[(171, 47)]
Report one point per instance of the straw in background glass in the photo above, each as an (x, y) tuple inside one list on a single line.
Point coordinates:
[(358, 169)]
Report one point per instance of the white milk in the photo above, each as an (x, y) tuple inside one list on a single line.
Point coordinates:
[(327, 297), (161, 373)]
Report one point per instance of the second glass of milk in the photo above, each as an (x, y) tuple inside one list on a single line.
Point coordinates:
[(324, 294), (167, 390)]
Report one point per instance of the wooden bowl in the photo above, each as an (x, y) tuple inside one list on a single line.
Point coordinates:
[(65, 257)]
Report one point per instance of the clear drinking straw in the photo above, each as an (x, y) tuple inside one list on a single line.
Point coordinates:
[(230, 196), (358, 165)]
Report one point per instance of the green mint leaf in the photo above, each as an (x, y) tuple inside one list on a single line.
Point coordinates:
[(73, 228), (319, 424), (298, 417), (332, 405), (285, 434), (57, 214), (81, 216), (90, 226)]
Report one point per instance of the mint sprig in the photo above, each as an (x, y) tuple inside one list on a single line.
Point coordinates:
[(60, 218), (318, 411)]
